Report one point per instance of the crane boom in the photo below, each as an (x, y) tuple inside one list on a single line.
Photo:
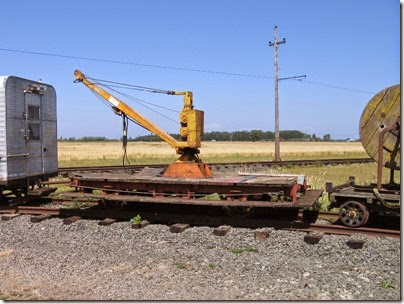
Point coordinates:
[(127, 110), (191, 120)]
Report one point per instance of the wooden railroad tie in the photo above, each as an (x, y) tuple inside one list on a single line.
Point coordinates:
[(106, 222), (355, 243), (140, 225), (261, 235), (221, 230), (7, 217), (178, 228), (70, 220), (313, 238), (40, 218)]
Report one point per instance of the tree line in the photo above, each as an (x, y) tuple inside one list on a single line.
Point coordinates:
[(252, 135)]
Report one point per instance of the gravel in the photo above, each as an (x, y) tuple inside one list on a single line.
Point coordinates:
[(53, 261)]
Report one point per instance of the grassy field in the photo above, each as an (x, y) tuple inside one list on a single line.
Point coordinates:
[(110, 153)]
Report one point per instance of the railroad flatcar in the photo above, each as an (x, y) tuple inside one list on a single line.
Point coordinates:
[(28, 133)]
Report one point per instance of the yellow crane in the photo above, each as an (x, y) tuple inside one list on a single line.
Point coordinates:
[(188, 165)]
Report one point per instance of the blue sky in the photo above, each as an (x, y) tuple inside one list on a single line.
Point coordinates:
[(352, 44)]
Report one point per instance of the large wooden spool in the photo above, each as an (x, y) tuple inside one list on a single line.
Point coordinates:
[(382, 111)]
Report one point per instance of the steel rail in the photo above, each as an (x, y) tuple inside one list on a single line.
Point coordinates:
[(304, 162), (310, 227), (343, 230)]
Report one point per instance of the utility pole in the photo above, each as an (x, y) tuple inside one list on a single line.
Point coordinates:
[(275, 45)]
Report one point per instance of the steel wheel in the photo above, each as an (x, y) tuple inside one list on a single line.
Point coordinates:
[(353, 214)]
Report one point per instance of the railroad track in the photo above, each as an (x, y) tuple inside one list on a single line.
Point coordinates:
[(343, 230), (231, 166), (46, 212)]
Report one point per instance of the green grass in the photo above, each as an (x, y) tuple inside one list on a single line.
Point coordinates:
[(317, 176), (181, 266), (236, 251), (212, 266), (211, 197), (252, 249), (386, 285), (136, 219), (76, 205)]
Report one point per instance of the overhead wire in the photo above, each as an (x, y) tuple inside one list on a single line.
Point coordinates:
[(132, 86), (174, 68), (333, 86), (125, 119), (138, 99), (106, 103), (140, 102)]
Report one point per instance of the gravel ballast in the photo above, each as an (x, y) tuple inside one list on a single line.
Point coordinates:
[(83, 260)]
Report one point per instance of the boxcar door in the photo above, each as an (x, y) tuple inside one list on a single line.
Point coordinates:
[(33, 134)]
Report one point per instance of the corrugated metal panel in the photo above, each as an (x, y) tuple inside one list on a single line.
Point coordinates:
[(35, 156), (3, 142)]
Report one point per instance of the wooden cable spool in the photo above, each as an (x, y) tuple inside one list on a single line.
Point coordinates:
[(381, 112)]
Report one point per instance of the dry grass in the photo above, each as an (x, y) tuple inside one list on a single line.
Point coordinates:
[(288, 148), (98, 153), (317, 176)]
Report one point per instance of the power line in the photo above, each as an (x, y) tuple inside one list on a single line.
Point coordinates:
[(174, 68), (135, 63), (110, 86), (141, 102), (130, 86), (335, 87)]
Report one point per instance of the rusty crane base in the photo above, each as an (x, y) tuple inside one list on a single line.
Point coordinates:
[(148, 186)]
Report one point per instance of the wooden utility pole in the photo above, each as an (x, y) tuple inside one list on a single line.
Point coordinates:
[(275, 45)]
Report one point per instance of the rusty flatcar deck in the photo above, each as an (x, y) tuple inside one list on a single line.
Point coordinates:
[(253, 180), (242, 189)]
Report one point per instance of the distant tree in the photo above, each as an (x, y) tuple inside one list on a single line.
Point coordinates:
[(256, 135), (253, 135), (269, 135), (93, 138), (327, 137), (292, 135)]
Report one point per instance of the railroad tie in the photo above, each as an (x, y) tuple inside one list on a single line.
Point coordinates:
[(313, 238), (7, 217), (221, 230), (261, 235), (355, 243), (70, 220), (106, 222), (40, 218), (178, 228), (140, 225)]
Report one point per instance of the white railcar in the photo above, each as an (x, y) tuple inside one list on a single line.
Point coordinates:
[(28, 133)]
